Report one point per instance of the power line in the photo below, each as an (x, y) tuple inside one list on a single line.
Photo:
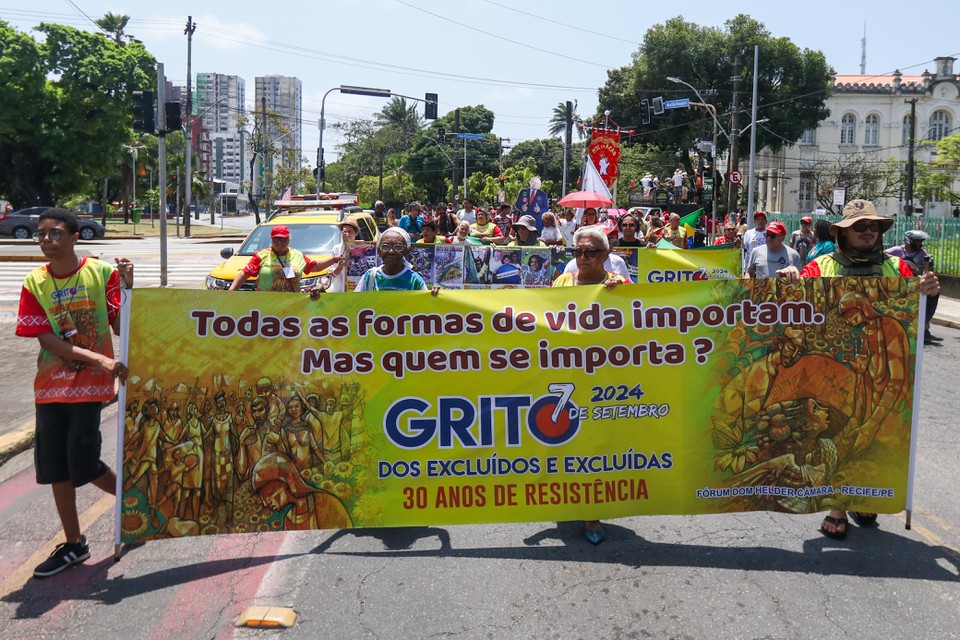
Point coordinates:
[(499, 37), (578, 29)]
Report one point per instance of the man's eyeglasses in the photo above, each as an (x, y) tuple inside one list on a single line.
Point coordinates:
[(399, 247), (873, 227), (589, 254), (53, 234)]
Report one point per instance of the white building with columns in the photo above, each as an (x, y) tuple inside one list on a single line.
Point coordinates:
[(870, 120)]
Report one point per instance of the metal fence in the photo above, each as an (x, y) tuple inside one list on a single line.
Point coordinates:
[(943, 245)]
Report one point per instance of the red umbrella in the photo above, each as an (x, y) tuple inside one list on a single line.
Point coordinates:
[(584, 199)]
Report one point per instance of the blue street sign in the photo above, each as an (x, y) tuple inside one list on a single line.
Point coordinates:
[(676, 104), (472, 136)]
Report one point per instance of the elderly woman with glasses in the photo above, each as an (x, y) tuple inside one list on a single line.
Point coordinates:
[(395, 273), (591, 251)]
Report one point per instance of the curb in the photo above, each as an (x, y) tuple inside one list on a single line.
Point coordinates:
[(945, 322), (16, 442)]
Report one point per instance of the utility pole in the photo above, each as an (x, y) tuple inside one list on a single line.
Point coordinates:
[(567, 143), (161, 120), (734, 163), (188, 153), (456, 130), (908, 205)]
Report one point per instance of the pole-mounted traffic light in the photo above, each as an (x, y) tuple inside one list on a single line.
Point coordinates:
[(430, 107), (143, 112), (441, 135), (645, 111), (174, 120)]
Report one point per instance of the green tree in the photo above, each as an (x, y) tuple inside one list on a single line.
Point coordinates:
[(558, 121), (431, 163), (66, 112), (114, 24), (546, 155), (793, 84)]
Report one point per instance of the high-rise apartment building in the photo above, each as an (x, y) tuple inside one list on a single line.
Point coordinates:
[(284, 96), (219, 101)]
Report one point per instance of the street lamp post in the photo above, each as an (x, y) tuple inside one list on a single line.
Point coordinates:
[(716, 126), (357, 91)]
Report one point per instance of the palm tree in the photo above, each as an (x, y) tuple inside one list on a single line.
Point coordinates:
[(558, 123), (114, 23)]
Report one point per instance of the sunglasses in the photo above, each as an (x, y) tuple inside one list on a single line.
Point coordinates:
[(872, 227), (53, 234), (589, 254)]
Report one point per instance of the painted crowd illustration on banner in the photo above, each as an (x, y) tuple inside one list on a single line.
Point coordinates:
[(272, 411)]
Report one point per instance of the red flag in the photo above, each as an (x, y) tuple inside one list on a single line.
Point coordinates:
[(604, 150)]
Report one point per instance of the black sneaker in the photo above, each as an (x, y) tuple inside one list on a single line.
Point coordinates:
[(64, 556)]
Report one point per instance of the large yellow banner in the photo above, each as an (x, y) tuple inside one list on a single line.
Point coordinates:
[(260, 411)]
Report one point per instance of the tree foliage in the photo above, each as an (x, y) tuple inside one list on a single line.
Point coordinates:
[(862, 176), (793, 83), (66, 112)]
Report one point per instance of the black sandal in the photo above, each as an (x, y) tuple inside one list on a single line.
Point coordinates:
[(836, 522), (864, 520)]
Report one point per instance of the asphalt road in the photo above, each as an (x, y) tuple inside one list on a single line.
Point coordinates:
[(753, 575)]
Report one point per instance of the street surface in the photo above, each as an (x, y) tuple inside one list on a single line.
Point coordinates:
[(752, 575)]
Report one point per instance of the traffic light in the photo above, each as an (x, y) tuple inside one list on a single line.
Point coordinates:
[(143, 112), (430, 108), (645, 111), (174, 121), (441, 135)]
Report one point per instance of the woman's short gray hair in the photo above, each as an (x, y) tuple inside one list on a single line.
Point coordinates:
[(594, 232)]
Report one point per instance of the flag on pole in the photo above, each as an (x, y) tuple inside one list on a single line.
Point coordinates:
[(689, 222), (287, 194), (592, 182)]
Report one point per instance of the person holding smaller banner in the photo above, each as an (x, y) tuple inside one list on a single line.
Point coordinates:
[(394, 274), (774, 255), (70, 305), (674, 233), (483, 228), (884, 345), (591, 252), (527, 236), (729, 235), (629, 224), (279, 267)]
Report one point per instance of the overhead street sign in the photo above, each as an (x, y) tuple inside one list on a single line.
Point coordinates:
[(472, 136), (676, 104), (736, 177)]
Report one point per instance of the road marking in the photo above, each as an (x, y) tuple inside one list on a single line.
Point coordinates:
[(15, 441), (18, 578)]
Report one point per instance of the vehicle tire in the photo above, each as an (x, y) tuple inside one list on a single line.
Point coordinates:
[(87, 233), (21, 233)]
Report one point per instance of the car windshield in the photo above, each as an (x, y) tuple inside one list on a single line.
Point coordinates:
[(309, 239)]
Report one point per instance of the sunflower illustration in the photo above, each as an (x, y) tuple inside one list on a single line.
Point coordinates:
[(733, 451)]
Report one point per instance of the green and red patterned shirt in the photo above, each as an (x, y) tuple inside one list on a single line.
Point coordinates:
[(79, 307)]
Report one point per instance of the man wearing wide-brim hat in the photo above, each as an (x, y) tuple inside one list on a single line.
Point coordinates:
[(884, 343)]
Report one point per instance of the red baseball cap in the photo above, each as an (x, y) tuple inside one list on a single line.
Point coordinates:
[(806, 219), (760, 213), (776, 228), (280, 231)]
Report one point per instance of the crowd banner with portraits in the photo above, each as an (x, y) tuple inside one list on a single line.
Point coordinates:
[(267, 411), (469, 266)]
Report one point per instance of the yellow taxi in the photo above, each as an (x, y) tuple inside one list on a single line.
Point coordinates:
[(314, 234)]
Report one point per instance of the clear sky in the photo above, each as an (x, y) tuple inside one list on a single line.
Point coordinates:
[(519, 59)]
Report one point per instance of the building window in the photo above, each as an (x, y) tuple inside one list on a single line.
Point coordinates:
[(905, 139), (809, 137), (939, 125), (805, 193), (848, 129), (871, 131)]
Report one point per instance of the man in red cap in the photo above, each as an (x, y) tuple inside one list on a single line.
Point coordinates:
[(773, 256), (279, 267), (802, 240), (754, 238)]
